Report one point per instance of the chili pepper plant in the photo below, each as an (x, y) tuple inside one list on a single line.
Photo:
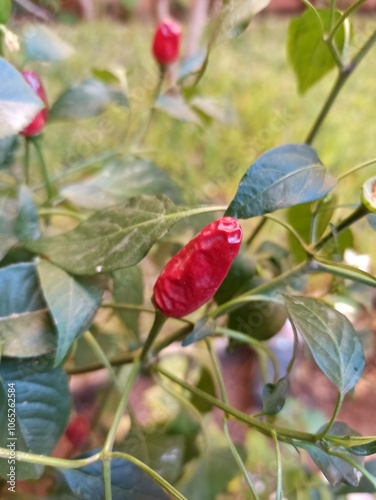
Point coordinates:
[(130, 284)]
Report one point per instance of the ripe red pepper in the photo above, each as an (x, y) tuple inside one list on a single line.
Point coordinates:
[(166, 42), (195, 273), (78, 430), (39, 121)]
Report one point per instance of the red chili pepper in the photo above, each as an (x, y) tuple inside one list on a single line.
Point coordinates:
[(195, 273), (78, 430), (39, 121), (166, 42)]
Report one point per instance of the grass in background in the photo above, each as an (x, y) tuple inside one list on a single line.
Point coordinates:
[(251, 74)]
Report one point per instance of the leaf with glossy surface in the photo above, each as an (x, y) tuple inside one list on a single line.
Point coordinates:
[(26, 329), (8, 146), (119, 181), (307, 52), (42, 410), (331, 338), (202, 329), (128, 287), (177, 108), (27, 225), (73, 303), (117, 237), (18, 102), (42, 44), (280, 178), (128, 482), (274, 396), (86, 99)]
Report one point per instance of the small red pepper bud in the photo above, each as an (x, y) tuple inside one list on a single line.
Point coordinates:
[(78, 430), (166, 42), (195, 273), (37, 124)]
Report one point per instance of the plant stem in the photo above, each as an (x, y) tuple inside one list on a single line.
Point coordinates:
[(342, 77), (278, 493), (159, 321), (290, 229), (358, 213), (355, 169), (256, 231), (62, 463), (344, 16), (27, 161), (43, 167), (309, 5), (333, 418)]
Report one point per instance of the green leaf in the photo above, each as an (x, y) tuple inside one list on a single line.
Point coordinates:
[(206, 384), (364, 449), (8, 146), (364, 486), (73, 303), (274, 396), (331, 338), (345, 271), (26, 329), (42, 410), (119, 181), (210, 474), (86, 99), (239, 14), (8, 217), (241, 272), (177, 108), (191, 65), (128, 287), (128, 481), (42, 44), (280, 178), (308, 54), (5, 10), (18, 102), (213, 109), (117, 237), (334, 469), (202, 329), (27, 224)]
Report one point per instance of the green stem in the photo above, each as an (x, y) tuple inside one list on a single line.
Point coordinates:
[(290, 229), (358, 213), (27, 161), (333, 418), (256, 231), (136, 307), (278, 493), (342, 77), (308, 4), (371, 478), (62, 213), (332, 9), (344, 16), (62, 463), (159, 321), (264, 428), (43, 167), (355, 169), (106, 465)]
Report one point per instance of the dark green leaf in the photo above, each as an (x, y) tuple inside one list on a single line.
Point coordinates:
[(334, 469), (86, 99), (203, 328), (211, 473), (128, 287), (42, 44), (117, 237), (26, 329), (331, 338), (345, 271), (8, 146), (27, 225), (73, 303), (42, 410), (18, 102), (177, 108), (308, 54), (206, 384), (274, 396), (119, 181), (372, 220), (128, 482), (364, 449), (282, 177), (5, 10), (8, 217)]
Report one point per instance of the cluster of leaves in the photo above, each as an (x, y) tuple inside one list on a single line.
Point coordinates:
[(56, 288)]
